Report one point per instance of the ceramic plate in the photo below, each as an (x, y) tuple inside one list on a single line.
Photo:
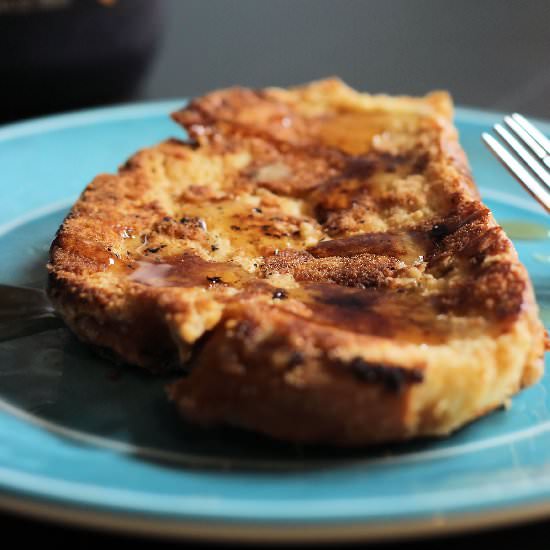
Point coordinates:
[(84, 441)]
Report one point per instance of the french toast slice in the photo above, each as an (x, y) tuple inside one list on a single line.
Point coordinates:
[(317, 258)]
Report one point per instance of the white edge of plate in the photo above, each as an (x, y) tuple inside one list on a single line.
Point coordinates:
[(257, 532)]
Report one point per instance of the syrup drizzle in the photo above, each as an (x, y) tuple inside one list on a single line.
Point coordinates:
[(375, 311), (523, 231), (189, 270)]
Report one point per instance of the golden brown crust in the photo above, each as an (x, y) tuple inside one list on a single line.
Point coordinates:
[(325, 254)]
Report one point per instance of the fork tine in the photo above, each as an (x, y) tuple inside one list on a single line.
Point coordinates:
[(525, 137), (522, 153), (535, 187), (535, 133)]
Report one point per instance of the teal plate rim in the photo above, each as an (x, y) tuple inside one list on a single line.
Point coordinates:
[(199, 517)]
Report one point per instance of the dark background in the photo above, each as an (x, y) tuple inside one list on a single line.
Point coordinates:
[(78, 53), (487, 53)]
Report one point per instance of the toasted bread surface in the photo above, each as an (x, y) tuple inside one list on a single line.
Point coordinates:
[(321, 260)]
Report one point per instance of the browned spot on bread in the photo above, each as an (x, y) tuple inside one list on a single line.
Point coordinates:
[(362, 270), (393, 378), (410, 244)]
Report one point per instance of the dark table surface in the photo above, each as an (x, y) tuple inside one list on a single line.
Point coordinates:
[(532, 535), (488, 53)]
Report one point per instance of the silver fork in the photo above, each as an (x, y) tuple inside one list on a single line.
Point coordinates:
[(525, 152)]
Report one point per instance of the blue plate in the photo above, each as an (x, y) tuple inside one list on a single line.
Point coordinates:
[(82, 441)]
